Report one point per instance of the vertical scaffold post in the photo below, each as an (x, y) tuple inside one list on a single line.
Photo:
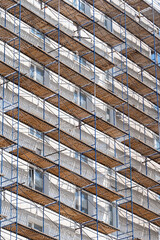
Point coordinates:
[(59, 140)]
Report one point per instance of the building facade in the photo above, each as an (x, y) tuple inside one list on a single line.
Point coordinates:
[(79, 94)]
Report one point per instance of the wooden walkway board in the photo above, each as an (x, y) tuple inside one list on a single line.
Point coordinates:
[(51, 31), (141, 212), (85, 22), (143, 149), (66, 211), (2, 216), (65, 105), (65, 138), (136, 85), (4, 142), (66, 174), (140, 117), (45, 59), (144, 62), (153, 16), (127, 21), (27, 232), (141, 179), (137, 4), (27, 83), (149, 12), (78, 79)]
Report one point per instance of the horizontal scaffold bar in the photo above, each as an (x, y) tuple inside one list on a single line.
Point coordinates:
[(66, 211), (141, 179), (65, 138), (29, 17), (77, 78)]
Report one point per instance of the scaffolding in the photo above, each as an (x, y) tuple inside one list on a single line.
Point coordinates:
[(57, 56)]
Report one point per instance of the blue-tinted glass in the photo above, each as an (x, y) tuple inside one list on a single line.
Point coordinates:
[(82, 7), (76, 97), (38, 134), (32, 131), (38, 181), (32, 71), (39, 75)]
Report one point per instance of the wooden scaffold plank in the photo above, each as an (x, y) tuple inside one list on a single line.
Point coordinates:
[(151, 13), (70, 12), (141, 179), (141, 212), (5, 142), (66, 139), (144, 149), (139, 87), (143, 61), (71, 108), (51, 31), (66, 211), (66, 174), (78, 79), (128, 22), (27, 232)]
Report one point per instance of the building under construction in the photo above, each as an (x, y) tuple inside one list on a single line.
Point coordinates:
[(80, 123)]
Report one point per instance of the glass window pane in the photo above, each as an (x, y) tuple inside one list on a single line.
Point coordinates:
[(37, 227), (108, 115), (31, 177), (77, 199), (157, 144), (32, 71), (75, 3), (29, 224), (83, 102), (82, 7), (84, 158), (39, 75), (81, 198), (76, 155), (38, 180), (84, 202), (31, 130), (33, 30), (83, 61), (76, 97), (38, 134)]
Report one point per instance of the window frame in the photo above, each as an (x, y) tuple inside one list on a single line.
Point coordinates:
[(34, 73), (80, 196), (32, 179)]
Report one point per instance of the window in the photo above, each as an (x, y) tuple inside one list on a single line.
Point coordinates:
[(75, 3), (82, 7), (108, 115), (108, 74), (35, 226), (83, 157), (35, 133), (83, 100), (80, 99), (111, 215), (108, 23), (157, 143), (32, 131), (38, 151), (80, 60), (36, 73), (36, 179), (83, 61), (81, 201), (37, 33), (152, 55)]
